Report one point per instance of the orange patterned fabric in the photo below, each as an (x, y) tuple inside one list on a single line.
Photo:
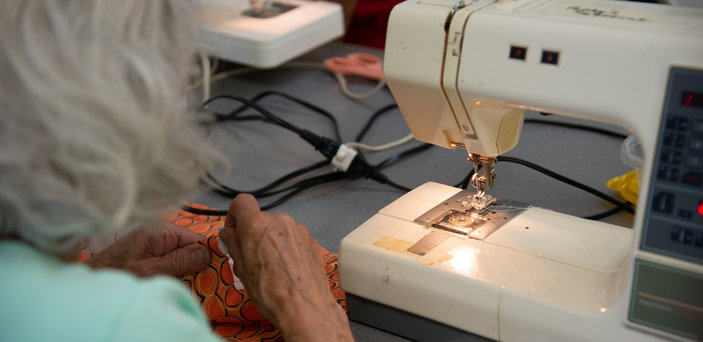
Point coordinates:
[(231, 312)]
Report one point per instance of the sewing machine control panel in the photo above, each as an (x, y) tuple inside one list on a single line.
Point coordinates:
[(674, 220), (663, 297)]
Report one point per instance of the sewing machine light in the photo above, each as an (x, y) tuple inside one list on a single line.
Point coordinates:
[(518, 52), (550, 57), (691, 99), (464, 260)]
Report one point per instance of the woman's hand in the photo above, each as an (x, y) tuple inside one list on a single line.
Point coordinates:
[(162, 248), (280, 265)]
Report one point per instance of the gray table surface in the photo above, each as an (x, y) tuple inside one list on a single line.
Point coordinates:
[(260, 153)]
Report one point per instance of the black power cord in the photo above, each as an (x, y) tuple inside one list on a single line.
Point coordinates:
[(234, 114), (326, 146), (593, 129), (374, 116), (226, 191), (597, 130), (359, 167), (620, 205)]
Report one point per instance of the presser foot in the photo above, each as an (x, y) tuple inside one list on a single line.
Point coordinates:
[(263, 9), (471, 215)]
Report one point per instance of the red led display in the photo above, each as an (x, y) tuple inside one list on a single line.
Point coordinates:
[(691, 99), (700, 208)]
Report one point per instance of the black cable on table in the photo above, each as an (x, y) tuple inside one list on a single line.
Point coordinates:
[(373, 118), (309, 183), (268, 115), (564, 179), (326, 146), (304, 185), (232, 115), (227, 191), (579, 127), (603, 215), (397, 157), (314, 181)]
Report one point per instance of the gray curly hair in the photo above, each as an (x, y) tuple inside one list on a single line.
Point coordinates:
[(94, 131)]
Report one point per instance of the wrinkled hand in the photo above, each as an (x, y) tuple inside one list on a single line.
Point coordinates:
[(161, 248), (280, 265)]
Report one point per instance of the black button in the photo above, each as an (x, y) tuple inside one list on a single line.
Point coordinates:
[(696, 143), (669, 139), (687, 214), (671, 157), (683, 124), (663, 202), (680, 141), (676, 234), (697, 126), (687, 237), (672, 122), (673, 139), (668, 174), (698, 239), (694, 161)]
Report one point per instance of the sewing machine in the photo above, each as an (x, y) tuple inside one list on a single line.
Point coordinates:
[(440, 262), (266, 34)]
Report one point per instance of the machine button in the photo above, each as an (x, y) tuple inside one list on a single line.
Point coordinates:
[(672, 139), (698, 239), (668, 174), (669, 139), (696, 144), (671, 157), (697, 126), (663, 202), (694, 161), (672, 122), (687, 237), (680, 141), (677, 122), (683, 124), (692, 178), (686, 214), (682, 235)]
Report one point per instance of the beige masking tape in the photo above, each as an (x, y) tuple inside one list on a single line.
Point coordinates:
[(401, 246), (394, 244)]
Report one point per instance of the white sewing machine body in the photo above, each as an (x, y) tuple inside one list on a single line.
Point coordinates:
[(232, 33), (544, 275)]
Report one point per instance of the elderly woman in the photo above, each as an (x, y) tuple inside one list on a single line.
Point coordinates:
[(95, 139)]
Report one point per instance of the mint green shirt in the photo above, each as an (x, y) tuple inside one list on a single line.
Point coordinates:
[(45, 299)]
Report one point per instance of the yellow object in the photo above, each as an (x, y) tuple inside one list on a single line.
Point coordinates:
[(627, 185)]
